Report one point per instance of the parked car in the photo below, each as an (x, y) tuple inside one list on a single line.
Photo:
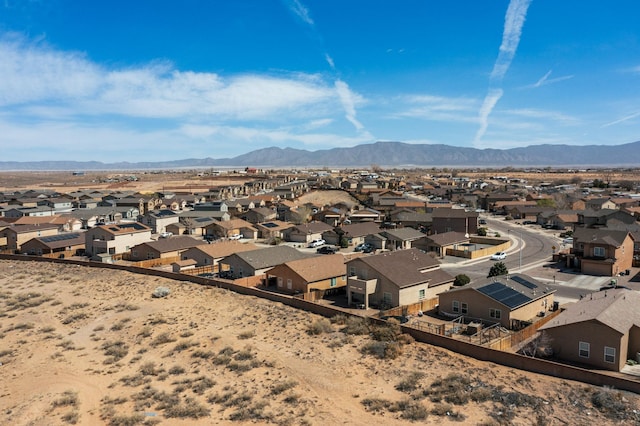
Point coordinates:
[(364, 247), (166, 234), (326, 250), (317, 243), (482, 221), (235, 237), (568, 240), (529, 222), (499, 256)]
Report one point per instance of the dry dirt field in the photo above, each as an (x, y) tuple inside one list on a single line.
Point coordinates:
[(92, 346)]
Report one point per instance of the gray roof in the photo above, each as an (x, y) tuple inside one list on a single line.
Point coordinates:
[(512, 291), (180, 242), (617, 309), (271, 256), (604, 236), (62, 240), (447, 238), (404, 234)]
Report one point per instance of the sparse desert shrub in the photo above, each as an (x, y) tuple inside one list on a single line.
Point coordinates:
[(162, 339), (280, 387), (414, 411), (382, 350), (202, 354), (75, 317), (6, 352), (26, 301), (245, 354), (67, 344), (115, 351), (250, 412), (149, 369), (190, 408), (71, 417), (20, 327), (201, 384), (68, 398), (319, 326), (124, 420), (48, 329), (247, 335), (339, 319), (145, 331), (176, 370), (126, 307), (120, 324), (186, 333), (135, 380), (356, 325), (609, 402), (411, 382), (185, 344), (376, 404)]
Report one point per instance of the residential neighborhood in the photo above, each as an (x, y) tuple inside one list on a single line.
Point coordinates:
[(483, 257)]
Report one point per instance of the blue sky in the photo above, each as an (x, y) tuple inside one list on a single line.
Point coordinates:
[(160, 80)]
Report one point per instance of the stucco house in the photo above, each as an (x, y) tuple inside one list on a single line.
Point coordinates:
[(211, 254), (602, 251), (115, 238), (354, 233), (325, 273), (511, 300), (257, 262), (401, 238), (601, 330), (306, 232), (158, 220), (457, 220), (70, 243), (395, 278), (439, 243), (164, 248), (16, 235)]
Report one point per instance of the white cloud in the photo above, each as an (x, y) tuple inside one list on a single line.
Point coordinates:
[(300, 10), (540, 114), (545, 80), (35, 77), (622, 120), (438, 108), (348, 100), (489, 103), (513, 22)]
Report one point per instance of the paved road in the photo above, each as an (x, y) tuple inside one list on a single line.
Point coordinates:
[(531, 253)]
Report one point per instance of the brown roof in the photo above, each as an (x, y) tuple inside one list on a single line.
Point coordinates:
[(406, 268), (124, 228), (447, 238), (361, 229), (234, 223), (318, 268), (20, 229), (180, 242), (225, 248), (615, 308), (444, 212), (605, 236)]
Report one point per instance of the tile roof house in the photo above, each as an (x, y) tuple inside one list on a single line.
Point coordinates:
[(602, 251), (257, 262), (401, 238), (511, 300), (601, 330), (395, 278), (231, 228), (354, 233), (323, 273), (158, 220)]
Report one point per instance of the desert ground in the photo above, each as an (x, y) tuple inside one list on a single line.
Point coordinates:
[(92, 346)]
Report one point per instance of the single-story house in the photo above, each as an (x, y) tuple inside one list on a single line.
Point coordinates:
[(306, 232), (601, 330), (257, 262), (510, 300), (164, 248), (211, 254), (70, 243), (310, 274)]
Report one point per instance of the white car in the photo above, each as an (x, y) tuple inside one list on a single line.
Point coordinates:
[(568, 240), (317, 243), (499, 256), (235, 237)]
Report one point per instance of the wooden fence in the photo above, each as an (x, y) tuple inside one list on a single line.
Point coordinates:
[(413, 309), (515, 339)]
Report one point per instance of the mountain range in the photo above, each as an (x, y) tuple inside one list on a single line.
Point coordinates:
[(384, 154)]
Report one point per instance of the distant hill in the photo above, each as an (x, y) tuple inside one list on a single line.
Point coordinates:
[(383, 154)]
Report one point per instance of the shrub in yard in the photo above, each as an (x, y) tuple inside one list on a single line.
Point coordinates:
[(190, 408), (320, 326), (461, 279), (356, 325)]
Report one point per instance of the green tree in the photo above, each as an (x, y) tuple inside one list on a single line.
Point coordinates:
[(461, 279), (546, 202), (482, 231), (497, 269)]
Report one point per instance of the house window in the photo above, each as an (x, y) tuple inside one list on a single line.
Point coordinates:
[(598, 251), (495, 313), (464, 308), (289, 284), (352, 271), (386, 298), (334, 282), (583, 349), (456, 306), (421, 294), (279, 281), (609, 354)]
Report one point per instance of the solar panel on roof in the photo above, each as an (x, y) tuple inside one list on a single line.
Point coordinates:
[(505, 295), (269, 225), (524, 282), (60, 237)]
